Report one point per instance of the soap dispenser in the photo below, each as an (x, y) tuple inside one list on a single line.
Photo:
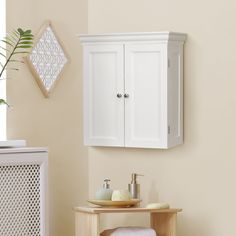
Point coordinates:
[(134, 187), (105, 193)]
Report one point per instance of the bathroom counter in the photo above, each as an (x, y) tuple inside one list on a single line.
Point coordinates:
[(87, 219)]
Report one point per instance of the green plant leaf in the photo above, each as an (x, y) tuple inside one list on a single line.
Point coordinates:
[(10, 40), (25, 42), (18, 40), (12, 68), (20, 31), (5, 49), (2, 55), (17, 61), (8, 43), (3, 102), (24, 46), (27, 32), (16, 34), (22, 52), (13, 37), (27, 38), (27, 35)]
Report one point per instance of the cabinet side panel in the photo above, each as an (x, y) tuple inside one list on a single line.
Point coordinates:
[(175, 94), (103, 80), (145, 120)]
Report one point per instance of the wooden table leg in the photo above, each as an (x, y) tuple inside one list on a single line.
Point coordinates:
[(86, 224), (164, 224)]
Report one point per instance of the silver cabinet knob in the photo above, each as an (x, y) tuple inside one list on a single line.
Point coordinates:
[(126, 95), (119, 95)]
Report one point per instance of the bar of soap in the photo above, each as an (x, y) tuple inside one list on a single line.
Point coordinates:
[(158, 205), (121, 195)]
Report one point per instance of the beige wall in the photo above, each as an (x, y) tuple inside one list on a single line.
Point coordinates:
[(55, 122), (199, 175)]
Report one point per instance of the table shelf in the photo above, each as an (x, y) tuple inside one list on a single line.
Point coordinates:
[(163, 221)]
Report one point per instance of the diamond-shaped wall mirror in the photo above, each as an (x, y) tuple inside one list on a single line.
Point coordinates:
[(47, 59)]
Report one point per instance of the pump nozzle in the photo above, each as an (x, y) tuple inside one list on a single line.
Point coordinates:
[(106, 183), (134, 178)]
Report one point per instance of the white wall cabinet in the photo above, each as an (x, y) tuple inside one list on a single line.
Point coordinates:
[(133, 89)]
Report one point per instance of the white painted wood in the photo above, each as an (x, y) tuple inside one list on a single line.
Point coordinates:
[(23, 150), (135, 36), (12, 143), (103, 80), (31, 156), (175, 94), (148, 67), (145, 82)]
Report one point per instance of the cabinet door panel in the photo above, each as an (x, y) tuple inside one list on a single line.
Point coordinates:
[(103, 80), (145, 108)]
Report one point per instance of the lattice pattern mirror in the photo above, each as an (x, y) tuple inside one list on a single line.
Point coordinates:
[(47, 59)]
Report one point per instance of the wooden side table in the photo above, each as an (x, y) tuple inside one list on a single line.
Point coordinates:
[(163, 221)]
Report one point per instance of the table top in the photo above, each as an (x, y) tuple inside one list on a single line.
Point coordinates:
[(96, 210)]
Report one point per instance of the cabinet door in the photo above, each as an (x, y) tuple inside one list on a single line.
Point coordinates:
[(103, 83), (145, 85)]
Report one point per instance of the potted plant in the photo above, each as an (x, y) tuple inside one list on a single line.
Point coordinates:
[(18, 42)]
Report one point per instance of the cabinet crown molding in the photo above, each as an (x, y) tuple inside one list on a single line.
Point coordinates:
[(164, 36)]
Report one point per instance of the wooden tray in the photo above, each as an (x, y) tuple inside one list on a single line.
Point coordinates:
[(109, 203)]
